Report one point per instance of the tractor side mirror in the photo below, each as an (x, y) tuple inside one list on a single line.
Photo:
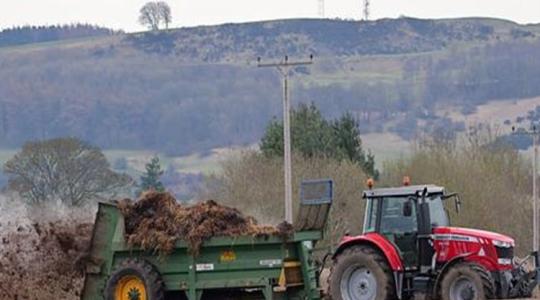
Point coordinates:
[(407, 209), (458, 204), (457, 200)]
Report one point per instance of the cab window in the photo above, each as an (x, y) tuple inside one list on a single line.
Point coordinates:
[(437, 212), (394, 219), (371, 215)]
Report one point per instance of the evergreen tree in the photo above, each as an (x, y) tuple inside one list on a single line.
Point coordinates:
[(312, 134), (349, 144), (150, 180)]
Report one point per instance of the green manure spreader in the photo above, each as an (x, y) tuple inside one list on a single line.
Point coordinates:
[(243, 267)]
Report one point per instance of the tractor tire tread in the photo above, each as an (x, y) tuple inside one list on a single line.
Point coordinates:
[(486, 280), (375, 256)]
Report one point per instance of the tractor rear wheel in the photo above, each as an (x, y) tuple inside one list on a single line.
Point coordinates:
[(466, 281), (360, 273), (134, 279)]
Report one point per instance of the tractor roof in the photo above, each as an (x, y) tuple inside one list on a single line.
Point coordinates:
[(403, 191)]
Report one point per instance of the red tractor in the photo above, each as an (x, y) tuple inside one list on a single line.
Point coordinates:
[(408, 248)]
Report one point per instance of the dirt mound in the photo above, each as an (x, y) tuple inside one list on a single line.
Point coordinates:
[(41, 260), (42, 250), (156, 221)]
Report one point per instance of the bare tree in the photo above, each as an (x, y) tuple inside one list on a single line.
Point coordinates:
[(153, 14), (64, 170), (165, 12), (150, 16)]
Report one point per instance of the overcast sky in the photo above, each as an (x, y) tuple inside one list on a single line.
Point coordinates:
[(122, 14)]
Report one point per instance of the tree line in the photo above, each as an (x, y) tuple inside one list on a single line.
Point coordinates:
[(20, 35)]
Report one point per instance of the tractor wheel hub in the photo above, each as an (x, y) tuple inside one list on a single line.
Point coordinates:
[(130, 288), (463, 289), (358, 283)]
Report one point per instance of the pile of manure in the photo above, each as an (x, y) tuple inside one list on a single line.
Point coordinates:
[(156, 221)]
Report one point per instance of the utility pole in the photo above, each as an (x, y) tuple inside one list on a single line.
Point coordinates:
[(534, 132), (366, 10), (284, 68), (321, 8)]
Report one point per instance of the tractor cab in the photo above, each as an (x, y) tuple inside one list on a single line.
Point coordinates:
[(405, 215)]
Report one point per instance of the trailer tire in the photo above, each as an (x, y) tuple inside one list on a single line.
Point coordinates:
[(466, 281), (133, 277), (366, 269)]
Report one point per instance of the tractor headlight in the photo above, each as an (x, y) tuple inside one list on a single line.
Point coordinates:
[(502, 244)]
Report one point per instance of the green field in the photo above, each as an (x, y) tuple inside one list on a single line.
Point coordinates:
[(137, 159), (5, 155), (385, 146)]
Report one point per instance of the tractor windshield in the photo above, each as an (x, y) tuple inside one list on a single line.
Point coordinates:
[(437, 212), (387, 214), (391, 214)]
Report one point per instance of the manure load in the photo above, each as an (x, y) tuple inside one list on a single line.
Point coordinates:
[(155, 248)]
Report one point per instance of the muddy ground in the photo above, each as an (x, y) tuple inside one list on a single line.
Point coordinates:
[(41, 252)]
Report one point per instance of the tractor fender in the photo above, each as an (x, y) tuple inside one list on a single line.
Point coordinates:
[(484, 261), (377, 241)]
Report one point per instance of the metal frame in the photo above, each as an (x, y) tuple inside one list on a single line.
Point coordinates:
[(313, 213), (323, 199)]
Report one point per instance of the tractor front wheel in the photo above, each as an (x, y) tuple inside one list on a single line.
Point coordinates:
[(360, 273), (134, 279), (466, 281)]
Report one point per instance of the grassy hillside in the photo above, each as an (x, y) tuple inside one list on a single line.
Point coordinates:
[(194, 89)]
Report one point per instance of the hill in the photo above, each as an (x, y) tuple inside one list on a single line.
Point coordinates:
[(193, 89), (238, 42)]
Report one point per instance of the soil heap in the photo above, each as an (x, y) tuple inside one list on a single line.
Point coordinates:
[(42, 260)]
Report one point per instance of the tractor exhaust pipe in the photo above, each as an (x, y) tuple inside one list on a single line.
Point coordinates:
[(536, 255)]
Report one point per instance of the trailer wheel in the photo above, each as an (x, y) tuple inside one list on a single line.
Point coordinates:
[(360, 273), (466, 281), (134, 279)]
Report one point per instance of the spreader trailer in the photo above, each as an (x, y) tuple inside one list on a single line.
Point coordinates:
[(243, 267), (409, 248)]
